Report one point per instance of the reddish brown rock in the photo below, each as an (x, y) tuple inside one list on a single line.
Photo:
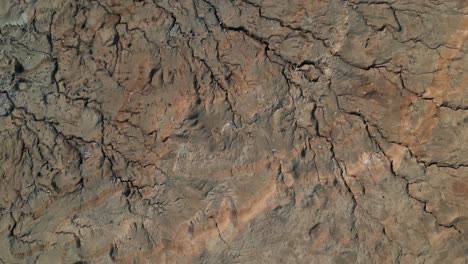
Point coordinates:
[(247, 131)]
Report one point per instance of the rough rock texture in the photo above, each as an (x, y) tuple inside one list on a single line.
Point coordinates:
[(233, 131)]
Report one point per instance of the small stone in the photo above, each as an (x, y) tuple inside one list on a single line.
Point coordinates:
[(5, 105)]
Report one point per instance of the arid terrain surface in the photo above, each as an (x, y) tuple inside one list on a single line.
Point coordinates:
[(233, 131)]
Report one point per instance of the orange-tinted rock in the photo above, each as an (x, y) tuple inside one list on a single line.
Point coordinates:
[(243, 131)]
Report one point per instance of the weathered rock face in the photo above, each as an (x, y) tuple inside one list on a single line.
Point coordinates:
[(243, 131)]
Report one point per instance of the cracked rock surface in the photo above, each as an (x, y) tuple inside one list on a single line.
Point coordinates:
[(233, 131)]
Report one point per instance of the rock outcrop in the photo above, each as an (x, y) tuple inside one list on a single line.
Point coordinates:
[(243, 131)]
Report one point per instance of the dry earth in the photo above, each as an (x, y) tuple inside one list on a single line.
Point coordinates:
[(233, 131)]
